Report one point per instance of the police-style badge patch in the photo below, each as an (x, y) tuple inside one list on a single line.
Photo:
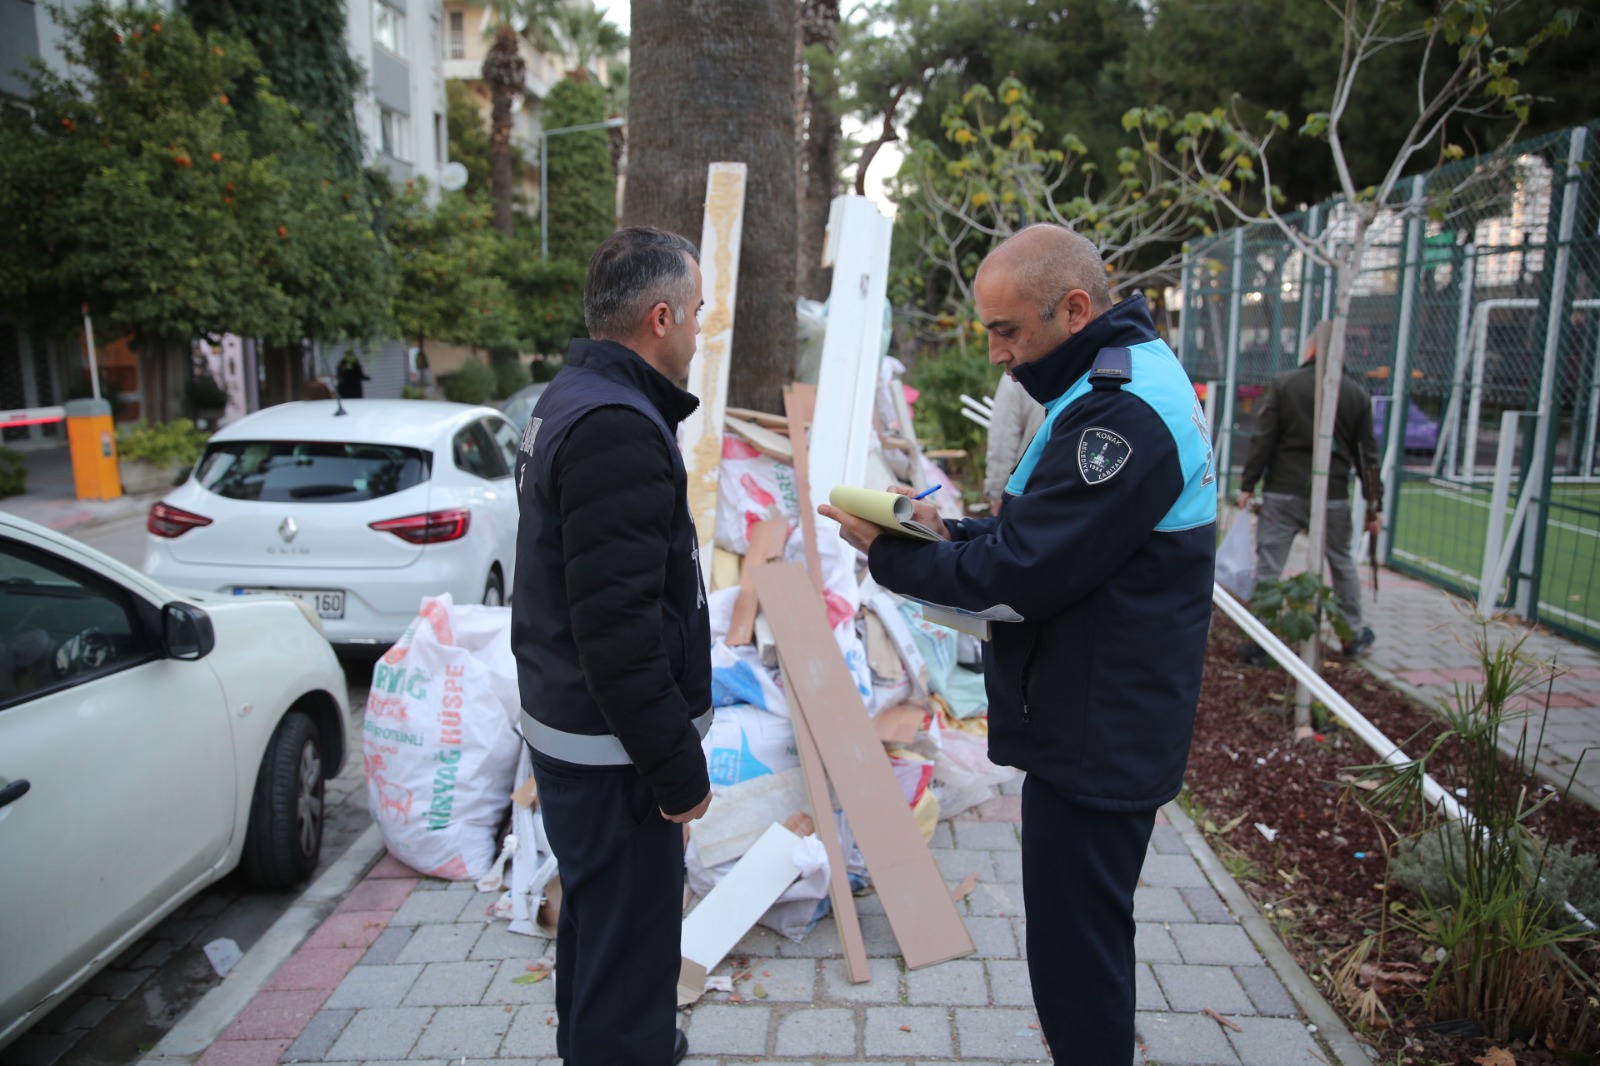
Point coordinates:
[(1101, 453)]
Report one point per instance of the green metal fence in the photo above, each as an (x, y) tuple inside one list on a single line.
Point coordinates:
[(1476, 326)]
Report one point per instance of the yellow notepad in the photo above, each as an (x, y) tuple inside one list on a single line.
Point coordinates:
[(888, 510)]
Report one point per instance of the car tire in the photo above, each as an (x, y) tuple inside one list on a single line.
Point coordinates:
[(286, 813), (494, 590)]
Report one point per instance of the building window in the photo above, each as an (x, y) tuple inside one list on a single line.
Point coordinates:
[(394, 134), (389, 27), (458, 35)]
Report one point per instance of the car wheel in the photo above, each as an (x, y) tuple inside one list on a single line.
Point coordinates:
[(494, 592), (286, 813)]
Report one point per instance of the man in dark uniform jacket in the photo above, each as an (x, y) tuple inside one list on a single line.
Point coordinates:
[(1104, 551), (1280, 455), (613, 647)]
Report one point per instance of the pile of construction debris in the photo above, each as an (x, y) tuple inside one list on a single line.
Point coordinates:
[(847, 723)]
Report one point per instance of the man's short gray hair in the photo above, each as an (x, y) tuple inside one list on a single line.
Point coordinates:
[(633, 270), (1046, 261)]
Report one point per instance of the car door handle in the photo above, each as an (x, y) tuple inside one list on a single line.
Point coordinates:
[(13, 792)]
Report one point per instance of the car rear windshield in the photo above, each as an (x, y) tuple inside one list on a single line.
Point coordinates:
[(276, 471)]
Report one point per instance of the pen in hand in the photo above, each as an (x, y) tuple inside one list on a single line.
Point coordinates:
[(927, 492)]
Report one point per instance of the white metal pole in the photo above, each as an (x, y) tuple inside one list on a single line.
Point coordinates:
[(1452, 415), (1410, 275), (1489, 582), (1548, 415), (94, 361), (1308, 277), (1230, 372)]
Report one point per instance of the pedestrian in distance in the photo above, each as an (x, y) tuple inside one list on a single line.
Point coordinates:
[(351, 375), (613, 645), (1104, 552), (1015, 418), (1280, 457)]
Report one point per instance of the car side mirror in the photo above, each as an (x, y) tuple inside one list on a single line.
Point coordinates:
[(186, 631)]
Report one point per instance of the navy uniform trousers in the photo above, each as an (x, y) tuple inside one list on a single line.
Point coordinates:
[(618, 941), (1079, 869)]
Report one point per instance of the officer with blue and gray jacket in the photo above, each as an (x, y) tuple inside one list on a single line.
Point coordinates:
[(1104, 548), (613, 645)]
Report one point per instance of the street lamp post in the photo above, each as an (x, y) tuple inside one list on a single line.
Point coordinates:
[(544, 170)]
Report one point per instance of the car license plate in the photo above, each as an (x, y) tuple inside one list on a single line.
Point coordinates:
[(328, 603)]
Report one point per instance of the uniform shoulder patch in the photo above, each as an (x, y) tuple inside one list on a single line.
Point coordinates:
[(1101, 453)]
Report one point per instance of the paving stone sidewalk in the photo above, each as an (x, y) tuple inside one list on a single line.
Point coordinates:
[(413, 969)]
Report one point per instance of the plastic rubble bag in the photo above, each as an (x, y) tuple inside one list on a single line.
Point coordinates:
[(745, 742), (961, 688), (1236, 558), (533, 864), (750, 487), (737, 676), (439, 740), (963, 776), (841, 595)]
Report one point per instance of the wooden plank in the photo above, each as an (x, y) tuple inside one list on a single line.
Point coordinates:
[(772, 445), (700, 435), (799, 403), (857, 248), (924, 919), (844, 901), (766, 543), (776, 423), (899, 725)]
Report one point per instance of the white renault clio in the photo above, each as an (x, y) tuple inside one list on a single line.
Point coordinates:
[(148, 746), (359, 510)]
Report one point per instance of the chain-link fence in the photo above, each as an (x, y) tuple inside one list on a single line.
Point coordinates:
[(1475, 324)]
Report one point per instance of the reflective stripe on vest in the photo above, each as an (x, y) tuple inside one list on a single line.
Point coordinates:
[(583, 749)]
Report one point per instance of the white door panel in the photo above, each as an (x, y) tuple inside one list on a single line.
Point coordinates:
[(132, 797)]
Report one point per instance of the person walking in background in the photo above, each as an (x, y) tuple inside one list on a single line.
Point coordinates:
[(1016, 417), (1280, 456), (351, 375), (612, 638), (1103, 554)]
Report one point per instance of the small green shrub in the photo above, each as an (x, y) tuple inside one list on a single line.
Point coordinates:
[(175, 443), (411, 392), (1289, 607), (509, 376), (942, 377), (475, 382), (13, 474)]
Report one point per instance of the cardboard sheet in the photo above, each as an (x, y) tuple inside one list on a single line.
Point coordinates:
[(766, 543), (799, 403), (844, 902), (915, 898), (742, 812), (900, 724), (772, 445)]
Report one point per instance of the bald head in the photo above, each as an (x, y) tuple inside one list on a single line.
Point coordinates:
[(1044, 262)]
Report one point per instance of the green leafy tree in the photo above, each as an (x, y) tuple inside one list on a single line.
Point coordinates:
[(1480, 81), (547, 296), (134, 186), (580, 188), (469, 137), (1005, 176), (446, 287), (302, 49)]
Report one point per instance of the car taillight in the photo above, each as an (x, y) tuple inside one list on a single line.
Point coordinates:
[(435, 527), (168, 521)]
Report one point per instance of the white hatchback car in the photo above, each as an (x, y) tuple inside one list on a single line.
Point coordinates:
[(359, 514), (148, 746)]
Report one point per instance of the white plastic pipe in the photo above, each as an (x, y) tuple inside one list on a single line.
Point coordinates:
[(1387, 750)]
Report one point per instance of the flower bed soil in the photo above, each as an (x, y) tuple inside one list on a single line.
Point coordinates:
[(1321, 880)]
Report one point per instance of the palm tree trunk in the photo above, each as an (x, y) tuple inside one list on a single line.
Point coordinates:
[(504, 72), (818, 152), (705, 88)]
